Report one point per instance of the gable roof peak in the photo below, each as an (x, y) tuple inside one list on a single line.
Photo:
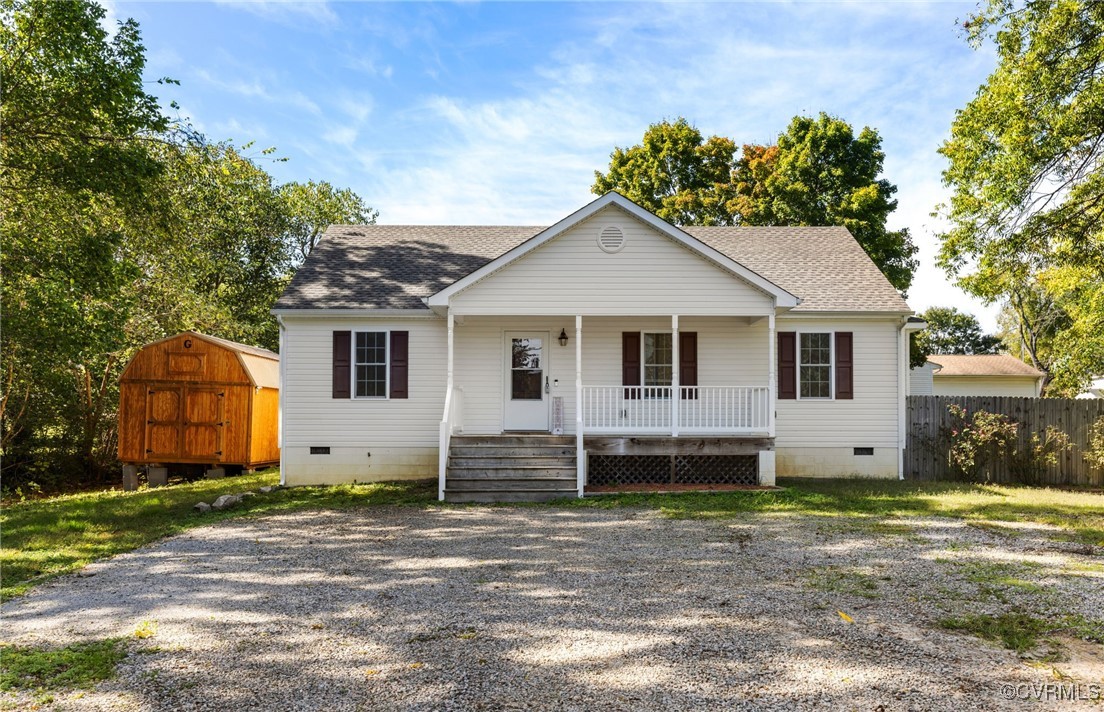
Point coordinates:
[(782, 297)]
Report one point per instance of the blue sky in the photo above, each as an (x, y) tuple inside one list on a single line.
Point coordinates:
[(500, 113)]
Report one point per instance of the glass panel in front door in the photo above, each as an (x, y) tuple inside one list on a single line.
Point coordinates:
[(526, 369)]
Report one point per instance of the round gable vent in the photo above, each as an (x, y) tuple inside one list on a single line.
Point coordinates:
[(611, 239)]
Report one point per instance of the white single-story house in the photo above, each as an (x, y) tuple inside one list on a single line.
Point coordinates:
[(610, 349), (976, 375)]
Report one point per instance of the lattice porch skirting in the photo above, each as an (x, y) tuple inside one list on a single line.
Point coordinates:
[(621, 470)]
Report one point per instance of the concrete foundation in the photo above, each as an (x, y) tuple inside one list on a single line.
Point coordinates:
[(130, 478), (157, 476)]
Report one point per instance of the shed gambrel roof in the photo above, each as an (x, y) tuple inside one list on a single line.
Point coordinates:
[(261, 366), (397, 266)]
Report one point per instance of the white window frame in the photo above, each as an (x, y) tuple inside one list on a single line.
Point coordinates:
[(386, 364), (644, 365), (831, 365)]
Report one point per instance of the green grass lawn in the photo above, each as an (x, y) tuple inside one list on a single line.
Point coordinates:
[(1079, 514), (45, 538)]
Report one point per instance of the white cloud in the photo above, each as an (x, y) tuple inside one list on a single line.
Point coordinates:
[(286, 12), (255, 90), (369, 66)]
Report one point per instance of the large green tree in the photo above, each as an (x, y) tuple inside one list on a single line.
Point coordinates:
[(75, 168), (676, 173), (1026, 165), (314, 206), (819, 173), (824, 174), (119, 228), (951, 331)]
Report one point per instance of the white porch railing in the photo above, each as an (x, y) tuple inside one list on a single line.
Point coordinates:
[(701, 409), (452, 421)]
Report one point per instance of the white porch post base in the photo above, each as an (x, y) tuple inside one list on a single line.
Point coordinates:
[(766, 468)]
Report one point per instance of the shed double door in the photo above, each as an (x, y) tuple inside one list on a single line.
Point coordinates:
[(184, 423)]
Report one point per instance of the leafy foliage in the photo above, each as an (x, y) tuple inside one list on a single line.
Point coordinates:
[(951, 331), (1094, 455), (974, 440), (819, 173), (823, 174), (312, 207), (1026, 163), (120, 227), (675, 173), (1042, 451)]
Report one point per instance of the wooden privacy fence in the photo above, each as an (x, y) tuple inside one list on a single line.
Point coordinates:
[(929, 426)]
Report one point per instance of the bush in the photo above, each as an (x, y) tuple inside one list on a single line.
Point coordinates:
[(1094, 454), (973, 441), (1041, 453)]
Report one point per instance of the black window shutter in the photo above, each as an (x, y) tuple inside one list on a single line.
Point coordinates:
[(342, 369), (787, 365), (400, 368), (688, 363), (630, 363), (845, 365)]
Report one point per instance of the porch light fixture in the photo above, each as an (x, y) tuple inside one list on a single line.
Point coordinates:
[(563, 337)]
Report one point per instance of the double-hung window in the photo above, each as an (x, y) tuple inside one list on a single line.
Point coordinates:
[(370, 364), (815, 365), (658, 365)]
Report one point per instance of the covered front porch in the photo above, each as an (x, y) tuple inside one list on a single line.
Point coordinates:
[(676, 400)]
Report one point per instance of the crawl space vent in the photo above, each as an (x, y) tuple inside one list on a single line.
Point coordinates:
[(611, 239)]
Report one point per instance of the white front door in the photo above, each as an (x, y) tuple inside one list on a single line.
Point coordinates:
[(526, 406)]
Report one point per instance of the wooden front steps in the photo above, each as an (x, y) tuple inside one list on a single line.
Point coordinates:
[(510, 468)]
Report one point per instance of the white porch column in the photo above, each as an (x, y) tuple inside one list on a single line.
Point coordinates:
[(446, 418), (772, 375), (580, 454), (675, 394), (451, 329)]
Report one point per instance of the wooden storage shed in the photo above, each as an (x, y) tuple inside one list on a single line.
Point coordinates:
[(197, 399)]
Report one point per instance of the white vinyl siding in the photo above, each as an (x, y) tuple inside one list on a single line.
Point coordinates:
[(313, 417), (730, 353), (1021, 386), (386, 436), (651, 275), (867, 420), (920, 380)]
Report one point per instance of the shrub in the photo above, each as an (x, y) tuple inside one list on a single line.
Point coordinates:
[(974, 440), (1094, 453), (1041, 453)]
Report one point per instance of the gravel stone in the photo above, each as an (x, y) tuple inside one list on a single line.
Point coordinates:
[(503, 608), (202, 507)]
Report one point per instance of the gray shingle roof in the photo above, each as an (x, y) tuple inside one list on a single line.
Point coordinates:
[(395, 266)]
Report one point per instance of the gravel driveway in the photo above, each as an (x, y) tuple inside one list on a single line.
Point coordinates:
[(544, 608)]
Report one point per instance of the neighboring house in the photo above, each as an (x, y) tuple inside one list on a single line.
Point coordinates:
[(1095, 390), (663, 355), (920, 380), (976, 375)]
